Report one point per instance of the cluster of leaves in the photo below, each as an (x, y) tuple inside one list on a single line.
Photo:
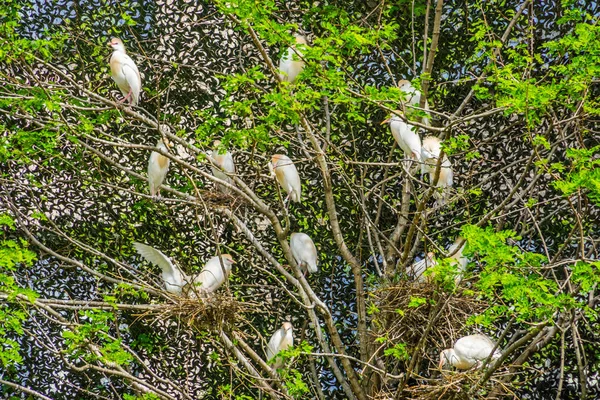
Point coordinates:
[(584, 173), (96, 331), (514, 280), (536, 97), (13, 254)]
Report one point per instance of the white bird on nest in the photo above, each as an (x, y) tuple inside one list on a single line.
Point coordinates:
[(212, 276), (469, 351), (416, 271)]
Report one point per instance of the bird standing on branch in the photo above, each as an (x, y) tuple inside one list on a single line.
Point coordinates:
[(406, 136), (124, 72), (413, 97), (222, 165), (304, 252), (287, 175), (282, 339), (158, 166), (430, 153), (291, 63)]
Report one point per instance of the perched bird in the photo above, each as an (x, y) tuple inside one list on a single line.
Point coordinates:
[(304, 252), (282, 339), (469, 351), (212, 276), (173, 277), (287, 176), (406, 136), (158, 165), (413, 97), (459, 260), (417, 269), (124, 72), (430, 153), (222, 165), (291, 63)]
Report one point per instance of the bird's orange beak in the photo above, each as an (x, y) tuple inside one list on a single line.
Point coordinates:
[(109, 44), (386, 121)]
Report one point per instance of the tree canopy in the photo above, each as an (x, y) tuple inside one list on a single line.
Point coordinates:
[(503, 219)]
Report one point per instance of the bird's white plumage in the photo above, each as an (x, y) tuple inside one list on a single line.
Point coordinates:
[(291, 63), (173, 277), (212, 276), (413, 97), (406, 136), (304, 251), (417, 269), (124, 72), (223, 164), (469, 351), (287, 176), (158, 166), (430, 153), (282, 339), (459, 260)]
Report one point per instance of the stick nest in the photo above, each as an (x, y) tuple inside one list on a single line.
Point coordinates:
[(217, 312), (422, 320)]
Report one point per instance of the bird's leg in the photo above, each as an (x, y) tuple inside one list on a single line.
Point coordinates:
[(128, 97), (406, 165)]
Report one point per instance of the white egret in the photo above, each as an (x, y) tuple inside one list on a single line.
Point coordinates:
[(417, 269), (124, 72), (158, 166), (413, 98), (459, 260), (469, 351), (304, 252), (287, 176), (212, 276), (430, 153), (282, 339), (406, 136), (291, 63), (173, 277), (222, 165)]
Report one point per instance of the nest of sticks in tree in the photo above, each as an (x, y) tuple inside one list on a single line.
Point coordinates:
[(217, 312), (419, 320)]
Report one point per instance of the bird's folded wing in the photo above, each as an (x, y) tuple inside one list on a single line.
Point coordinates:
[(209, 280), (132, 75)]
